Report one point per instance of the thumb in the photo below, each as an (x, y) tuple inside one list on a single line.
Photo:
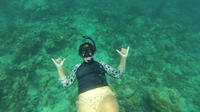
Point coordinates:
[(53, 61), (118, 51)]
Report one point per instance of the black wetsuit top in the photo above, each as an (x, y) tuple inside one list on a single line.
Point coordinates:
[(90, 75)]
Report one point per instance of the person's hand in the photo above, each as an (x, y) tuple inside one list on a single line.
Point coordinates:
[(58, 62), (123, 52)]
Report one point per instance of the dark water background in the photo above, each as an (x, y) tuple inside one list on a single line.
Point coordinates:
[(162, 68)]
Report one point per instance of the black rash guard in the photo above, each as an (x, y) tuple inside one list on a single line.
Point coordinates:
[(90, 75)]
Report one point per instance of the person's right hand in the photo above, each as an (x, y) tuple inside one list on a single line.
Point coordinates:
[(58, 62)]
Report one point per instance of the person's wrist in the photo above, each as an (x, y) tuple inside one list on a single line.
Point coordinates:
[(124, 57), (59, 68), (62, 78)]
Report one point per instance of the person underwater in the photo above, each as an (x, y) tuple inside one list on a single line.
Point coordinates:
[(94, 93)]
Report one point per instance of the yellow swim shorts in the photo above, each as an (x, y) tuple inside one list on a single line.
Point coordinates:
[(93, 98)]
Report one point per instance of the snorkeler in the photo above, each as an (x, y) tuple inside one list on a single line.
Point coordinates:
[(95, 95)]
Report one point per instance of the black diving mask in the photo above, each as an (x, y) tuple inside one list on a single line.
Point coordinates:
[(87, 49)]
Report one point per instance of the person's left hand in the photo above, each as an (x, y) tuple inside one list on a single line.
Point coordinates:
[(123, 52)]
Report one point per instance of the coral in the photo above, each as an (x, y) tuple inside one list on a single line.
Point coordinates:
[(164, 99), (37, 5)]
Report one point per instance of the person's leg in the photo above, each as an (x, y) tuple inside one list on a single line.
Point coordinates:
[(85, 105), (84, 108), (109, 104)]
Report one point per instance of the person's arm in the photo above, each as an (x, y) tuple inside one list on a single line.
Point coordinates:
[(123, 53), (65, 81), (68, 80), (59, 63), (61, 72), (122, 65), (116, 73)]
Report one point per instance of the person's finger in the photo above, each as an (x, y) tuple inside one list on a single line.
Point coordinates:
[(118, 51), (128, 50), (63, 61), (122, 48), (53, 60), (59, 60)]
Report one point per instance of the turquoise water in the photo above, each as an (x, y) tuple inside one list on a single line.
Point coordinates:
[(162, 70)]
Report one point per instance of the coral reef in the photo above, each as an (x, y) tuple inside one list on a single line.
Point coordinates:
[(165, 100)]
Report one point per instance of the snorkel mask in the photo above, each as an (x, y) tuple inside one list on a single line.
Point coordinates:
[(87, 49)]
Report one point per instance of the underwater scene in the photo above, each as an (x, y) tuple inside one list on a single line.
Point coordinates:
[(162, 67)]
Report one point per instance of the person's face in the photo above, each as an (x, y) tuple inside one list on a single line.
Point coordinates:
[(87, 59)]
